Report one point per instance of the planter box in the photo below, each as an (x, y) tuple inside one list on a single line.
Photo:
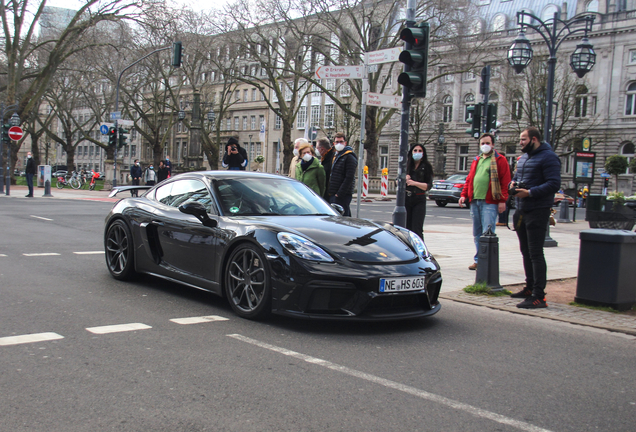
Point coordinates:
[(602, 213)]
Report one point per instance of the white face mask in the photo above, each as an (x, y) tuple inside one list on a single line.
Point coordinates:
[(486, 148), (296, 152), (317, 153), (29, 156), (417, 156), (307, 157), (339, 147)]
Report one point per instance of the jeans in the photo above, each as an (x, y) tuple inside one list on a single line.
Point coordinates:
[(483, 215), (29, 178), (344, 201), (135, 182), (531, 226), (415, 214)]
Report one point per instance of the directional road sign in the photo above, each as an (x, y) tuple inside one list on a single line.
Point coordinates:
[(384, 56), (344, 72), (382, 100), (15, 133), (103, 129), (115, 115)]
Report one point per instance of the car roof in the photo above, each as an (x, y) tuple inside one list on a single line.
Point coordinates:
[(232, 174)]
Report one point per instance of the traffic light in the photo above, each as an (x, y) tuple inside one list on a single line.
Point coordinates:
[(176, 54), (5, 133), (474, 118), (415, 59), (491, 118), (122, 137), (606, 182), (112, 137)]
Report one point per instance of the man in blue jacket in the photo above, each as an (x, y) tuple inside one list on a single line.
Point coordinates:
[(537, 179)]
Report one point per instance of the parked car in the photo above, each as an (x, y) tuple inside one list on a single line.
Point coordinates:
[(558, 197), (269, 244), (448, 190), (58, 173)]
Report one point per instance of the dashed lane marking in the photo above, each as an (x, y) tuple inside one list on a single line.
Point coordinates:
[(2, 255), (478, 412), (89, 253), (30, 338), (199, 320), (41, 254), (40, 217), (118, 328)]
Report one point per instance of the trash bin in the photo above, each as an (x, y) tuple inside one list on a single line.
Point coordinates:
[(607, 274), (596, 202)]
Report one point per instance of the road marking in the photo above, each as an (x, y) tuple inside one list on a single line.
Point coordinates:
[(118, 328), (199, 320), (89, 253), (2, 255), (463, 219), (40, 217), (30, 338), (395, 385), (40, 254), (444, 217)]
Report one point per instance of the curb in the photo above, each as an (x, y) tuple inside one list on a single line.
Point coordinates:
[(461, 297)]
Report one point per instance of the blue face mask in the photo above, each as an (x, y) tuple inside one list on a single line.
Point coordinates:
[(417, 156)]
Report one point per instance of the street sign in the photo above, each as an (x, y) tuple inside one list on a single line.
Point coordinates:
[(15, 133), (605, 175), (587, 143), (384, 56), (584, 167), (125, 122), (383, 100), (115, 115), (313, 133), (343, 72), (103, 129)]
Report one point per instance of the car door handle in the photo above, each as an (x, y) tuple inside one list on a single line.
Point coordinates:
[(157, 223)]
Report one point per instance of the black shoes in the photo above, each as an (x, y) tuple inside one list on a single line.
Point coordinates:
[(524, 293), (29, 196), (533, 302)]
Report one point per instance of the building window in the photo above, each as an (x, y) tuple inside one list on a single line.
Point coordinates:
[(449, 78), (469, 76), (447, 109), (330, 84), (245, 95), (278, 122), (462, 158), (469, 100), (261, 121), (329, 111), (632, 56), (345, 89), (517, 106), (384, 157), (499, 22), (244, 122), (315, 115), (237, 95), (592, 6), (580, 100), (301, 118), (253, 94), (236, 123), (630, 104), (252, 122), (628, 151)]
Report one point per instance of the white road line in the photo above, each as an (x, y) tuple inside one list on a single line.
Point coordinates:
[(30, 338), (118, 328), (444, 217), (463, 219), (199, 320), (2, 255), (89, 253), (395, 385), (40, 254), (40, 217)]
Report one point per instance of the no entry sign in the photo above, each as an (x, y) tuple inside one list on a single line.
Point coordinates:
[(15, 133)]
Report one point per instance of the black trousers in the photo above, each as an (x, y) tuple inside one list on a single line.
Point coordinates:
[(415, 213), (531, 226), (135, 182), (29, 178)]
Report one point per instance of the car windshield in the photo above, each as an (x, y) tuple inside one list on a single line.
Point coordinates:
[(457, 177), (269, 197)]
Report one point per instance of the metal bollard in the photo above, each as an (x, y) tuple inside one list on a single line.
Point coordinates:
[(47, 189), (488, 261), (564, 212)]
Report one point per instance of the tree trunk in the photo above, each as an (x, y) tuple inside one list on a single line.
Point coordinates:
[(371, 142), (70, 158), (288, 148)]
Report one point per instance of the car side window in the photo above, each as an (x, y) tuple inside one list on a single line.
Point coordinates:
[(183, 191)]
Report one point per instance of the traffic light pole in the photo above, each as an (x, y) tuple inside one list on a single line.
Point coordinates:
[(399, 214), (363, 122), (485, 90)]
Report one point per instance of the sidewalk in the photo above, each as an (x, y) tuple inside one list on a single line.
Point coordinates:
[(453, 247)]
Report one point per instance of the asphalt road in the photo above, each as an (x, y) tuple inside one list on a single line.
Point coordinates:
[(465, 369)]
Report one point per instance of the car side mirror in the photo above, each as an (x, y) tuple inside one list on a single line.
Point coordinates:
[(338, 207), (199, 211)]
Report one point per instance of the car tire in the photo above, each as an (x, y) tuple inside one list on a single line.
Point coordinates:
[(441, 203), (247, 283), (119, 250)]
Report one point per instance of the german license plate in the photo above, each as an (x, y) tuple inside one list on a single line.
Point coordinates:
[(413, 283)]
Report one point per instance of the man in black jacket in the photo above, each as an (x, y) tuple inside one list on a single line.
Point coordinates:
[(326, 151), (30, 172), (135, 175), (534, 184), (343, 173), (235, 156)]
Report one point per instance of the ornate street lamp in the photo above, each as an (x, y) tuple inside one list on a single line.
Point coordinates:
[(181, 114), (211, 116), (520, 53), (15, 120), (583, 58), (581, 61)]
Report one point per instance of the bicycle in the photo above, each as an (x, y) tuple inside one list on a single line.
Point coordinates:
[(75, 181), (94, 178), (62, 181)]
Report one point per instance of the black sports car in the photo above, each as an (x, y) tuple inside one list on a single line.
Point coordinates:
[(269, 244)]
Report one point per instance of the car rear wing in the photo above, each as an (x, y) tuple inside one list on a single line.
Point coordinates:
[(118, 189)]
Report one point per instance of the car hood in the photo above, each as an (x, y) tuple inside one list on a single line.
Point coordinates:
[(353, 239)]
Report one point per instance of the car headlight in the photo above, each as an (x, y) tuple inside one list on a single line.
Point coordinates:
[(302, 247), (419, 245)]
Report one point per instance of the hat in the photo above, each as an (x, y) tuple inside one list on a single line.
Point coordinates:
[(232, 140)]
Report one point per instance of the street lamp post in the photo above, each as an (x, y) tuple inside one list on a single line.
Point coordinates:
[(582, 59), (250, 152)]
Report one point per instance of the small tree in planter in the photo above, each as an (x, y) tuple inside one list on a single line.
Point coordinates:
[(616, 165), (259, 160)]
